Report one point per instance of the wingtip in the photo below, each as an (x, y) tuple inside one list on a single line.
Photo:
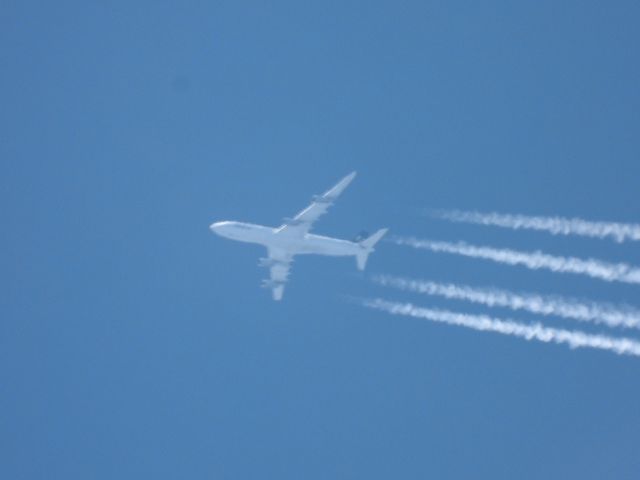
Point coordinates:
[(348, 179), (277, 293)]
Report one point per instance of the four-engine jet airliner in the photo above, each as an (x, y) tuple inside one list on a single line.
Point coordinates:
[(293, 238)]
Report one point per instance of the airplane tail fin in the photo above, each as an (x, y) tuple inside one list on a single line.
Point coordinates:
[(366, 247)]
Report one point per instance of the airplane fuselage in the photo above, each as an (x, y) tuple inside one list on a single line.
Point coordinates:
[(280, 238)]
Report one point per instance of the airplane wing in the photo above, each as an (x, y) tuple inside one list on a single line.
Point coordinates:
[(279, 264), (303, 221)]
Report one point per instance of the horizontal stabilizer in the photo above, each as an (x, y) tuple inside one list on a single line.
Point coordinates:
[(366, 247), (373, 239)]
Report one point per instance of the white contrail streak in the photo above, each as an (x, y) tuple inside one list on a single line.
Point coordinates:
[(554, 225), (611, 272), (601, 313), (536, 331)]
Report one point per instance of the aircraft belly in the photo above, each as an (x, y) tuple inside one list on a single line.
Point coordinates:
[(259, 235), (325, 246)]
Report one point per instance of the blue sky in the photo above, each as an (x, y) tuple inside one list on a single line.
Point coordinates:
[(136, 344)]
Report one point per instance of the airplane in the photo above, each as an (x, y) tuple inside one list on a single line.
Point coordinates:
[(293, 238)]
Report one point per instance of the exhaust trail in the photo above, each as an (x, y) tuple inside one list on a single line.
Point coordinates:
[(610, 272), (619, 232), (536, 331), (599, 313)]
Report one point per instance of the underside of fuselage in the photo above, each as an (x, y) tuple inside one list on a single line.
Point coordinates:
[(286, 241), (320, 245)]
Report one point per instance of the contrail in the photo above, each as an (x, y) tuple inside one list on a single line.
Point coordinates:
[(554, 225), (536, 331), (611, 272), (601, 313)]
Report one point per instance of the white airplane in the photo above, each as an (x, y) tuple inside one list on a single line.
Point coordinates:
[(293, 238)]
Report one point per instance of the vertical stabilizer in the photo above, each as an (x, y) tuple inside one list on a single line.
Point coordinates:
[(366, 247)]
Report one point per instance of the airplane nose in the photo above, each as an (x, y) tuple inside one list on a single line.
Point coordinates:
[(217, 227)]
